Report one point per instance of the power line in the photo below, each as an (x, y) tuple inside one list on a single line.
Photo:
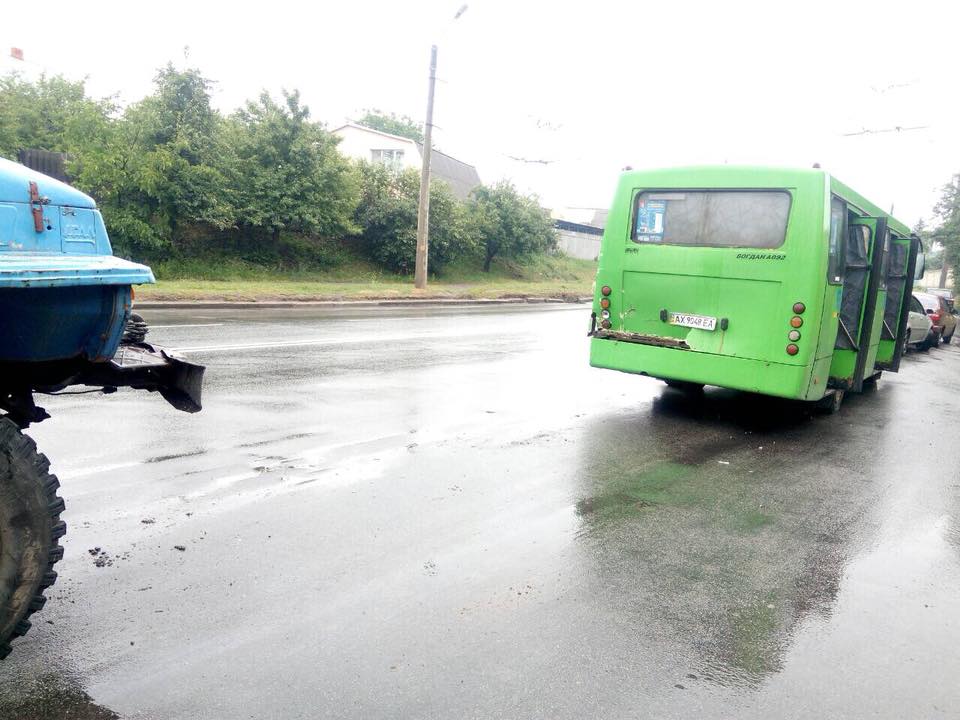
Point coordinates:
[(531, 161), (896, 129)]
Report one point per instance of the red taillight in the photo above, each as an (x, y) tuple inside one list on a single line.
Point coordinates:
[(935, 318), (605, 290), (799, 307), (792, 349)]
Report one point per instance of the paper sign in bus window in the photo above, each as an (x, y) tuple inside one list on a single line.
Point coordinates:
[(650, 220)]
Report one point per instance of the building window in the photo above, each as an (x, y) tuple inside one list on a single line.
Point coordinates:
[(393, 158)]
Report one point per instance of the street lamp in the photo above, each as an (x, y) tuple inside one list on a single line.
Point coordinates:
[(423, 212)]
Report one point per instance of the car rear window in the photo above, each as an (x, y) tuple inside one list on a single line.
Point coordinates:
[(929, 302), (712, 218)]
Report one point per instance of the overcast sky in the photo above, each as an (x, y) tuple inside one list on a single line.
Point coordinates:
[(587, 87)]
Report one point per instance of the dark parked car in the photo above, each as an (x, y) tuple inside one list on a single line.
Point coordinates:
[(943, 318), (946, 294)]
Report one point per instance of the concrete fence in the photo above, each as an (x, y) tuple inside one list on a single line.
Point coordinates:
[(579, 241)]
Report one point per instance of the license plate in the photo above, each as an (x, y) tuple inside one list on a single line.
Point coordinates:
[(703, 322)]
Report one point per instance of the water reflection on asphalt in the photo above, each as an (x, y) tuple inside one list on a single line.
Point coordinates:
[(734, 552), (471, 522)]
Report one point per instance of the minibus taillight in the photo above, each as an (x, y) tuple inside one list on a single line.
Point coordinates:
[(792, 349), (794, 335), (605, 303), (799, 307), (605, 290), (796, 322)]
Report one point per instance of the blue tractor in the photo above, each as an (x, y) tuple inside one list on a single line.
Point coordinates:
[(65, 320)]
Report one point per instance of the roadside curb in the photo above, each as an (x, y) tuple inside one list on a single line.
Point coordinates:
[(405, 302)]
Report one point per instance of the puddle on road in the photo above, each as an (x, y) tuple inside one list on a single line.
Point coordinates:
[(700, 526), (639, 491), (49, 697)]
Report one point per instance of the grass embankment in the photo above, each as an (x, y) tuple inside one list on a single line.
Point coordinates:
[(540, 277)]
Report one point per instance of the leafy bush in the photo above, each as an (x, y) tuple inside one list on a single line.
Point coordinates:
[(387, 217), (181, 185), (505, 223)]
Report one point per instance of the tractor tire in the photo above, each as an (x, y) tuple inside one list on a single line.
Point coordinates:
[(30, 530)]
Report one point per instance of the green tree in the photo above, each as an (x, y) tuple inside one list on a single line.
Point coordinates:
[(156, 171), (947, 232), (46, 114), (387, 217), (401, 125), (106, 163), (287, 173), (55, 114), (178, 138), (506, 223)]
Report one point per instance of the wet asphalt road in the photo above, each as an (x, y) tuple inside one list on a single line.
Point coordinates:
[(447, 514)]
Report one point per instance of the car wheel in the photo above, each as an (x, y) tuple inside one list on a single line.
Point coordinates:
[(948, 338)]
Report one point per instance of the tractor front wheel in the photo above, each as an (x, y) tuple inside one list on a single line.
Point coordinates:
[(30, 530)]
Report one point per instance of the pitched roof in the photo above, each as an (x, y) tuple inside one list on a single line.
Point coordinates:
[(460, 176), (358, 126)]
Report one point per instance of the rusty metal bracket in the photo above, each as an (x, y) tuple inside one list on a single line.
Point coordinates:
[(36, 206)]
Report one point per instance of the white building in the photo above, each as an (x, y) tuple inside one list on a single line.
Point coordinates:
[(365, 143)]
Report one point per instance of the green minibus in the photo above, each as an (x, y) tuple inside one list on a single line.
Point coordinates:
[(774, 281)]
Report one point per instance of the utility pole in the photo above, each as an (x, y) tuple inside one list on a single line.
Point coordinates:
[(423, 213)]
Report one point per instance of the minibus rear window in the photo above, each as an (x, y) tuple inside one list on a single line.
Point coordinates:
[(712, 218)]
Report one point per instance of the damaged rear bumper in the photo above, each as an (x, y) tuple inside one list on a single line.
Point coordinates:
[(143, 366), (656, 340), (137, 365)]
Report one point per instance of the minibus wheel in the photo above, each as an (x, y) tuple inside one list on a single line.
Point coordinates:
[(690, 387), (829, 404)]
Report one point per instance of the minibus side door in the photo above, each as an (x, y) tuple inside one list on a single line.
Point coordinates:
[(901, 266), (859, 323)]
